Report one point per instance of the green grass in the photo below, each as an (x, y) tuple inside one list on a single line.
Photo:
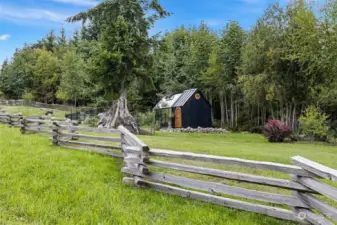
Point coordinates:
[(43, 184), (247, 146), (31, 111)]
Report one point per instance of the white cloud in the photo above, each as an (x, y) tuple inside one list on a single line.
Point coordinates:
[(79, 2), (4, 37), (29, 14)]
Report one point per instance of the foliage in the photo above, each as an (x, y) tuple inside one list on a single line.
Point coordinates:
[(28, 96), (276, 131), (257, 130), (333, 129), (313, 122), (216, 123), (145, 119), (91, 121), (284, 63), (46, 74), (73, 77), (121, 28)]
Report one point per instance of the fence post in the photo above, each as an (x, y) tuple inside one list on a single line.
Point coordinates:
[(23, 125), (72, 123), (9, 120), (319, 170), (56, 133), (135, 154), (3, 116), (40, 123)]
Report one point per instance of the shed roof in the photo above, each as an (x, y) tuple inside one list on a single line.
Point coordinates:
[(177, 100), (184, 97), (167, 101)]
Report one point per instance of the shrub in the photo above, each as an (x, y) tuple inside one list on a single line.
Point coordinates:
[(256, 130), (276, 131), (313, 122), (91, 121), (216, 123), (28, 96), (333, 129), (145, 119)]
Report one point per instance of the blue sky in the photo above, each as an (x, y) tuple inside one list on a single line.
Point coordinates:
[(25, 21)]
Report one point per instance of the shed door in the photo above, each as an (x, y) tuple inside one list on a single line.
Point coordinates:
[(177, 118)]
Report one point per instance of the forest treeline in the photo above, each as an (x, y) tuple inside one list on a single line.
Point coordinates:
[(285, 63)]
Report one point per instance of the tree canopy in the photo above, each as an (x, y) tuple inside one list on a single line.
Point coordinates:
[(283, 64)]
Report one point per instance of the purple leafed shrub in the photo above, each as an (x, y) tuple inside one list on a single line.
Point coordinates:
[(276, 131)]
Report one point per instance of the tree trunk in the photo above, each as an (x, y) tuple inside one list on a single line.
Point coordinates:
[(251, 122), (258, 114), (119, 114), (236, 114), (281, 112), (227, 116), (210, 97), (232, 110), (222, 108), (294, 117), (287, 114), (264, 117)]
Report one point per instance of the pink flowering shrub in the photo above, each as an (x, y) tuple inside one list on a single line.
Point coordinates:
[(276, 131)]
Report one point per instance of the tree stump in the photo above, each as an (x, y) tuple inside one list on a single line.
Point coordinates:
[(118, 115)]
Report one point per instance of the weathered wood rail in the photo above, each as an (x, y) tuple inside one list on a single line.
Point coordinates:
[(141, 164), (65, 136), (11, 120)]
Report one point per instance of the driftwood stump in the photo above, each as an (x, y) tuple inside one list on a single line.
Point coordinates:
[(118, 115)]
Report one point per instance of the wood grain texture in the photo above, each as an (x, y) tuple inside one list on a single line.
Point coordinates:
[(318, 186), (132, 139), (28, 126), (318, 204), (90, 129), (222, 188), (315, 168), (290, 169), (40, 131), (87, 144), (287, 184), (91, 137), (236, 204), (313, 218)]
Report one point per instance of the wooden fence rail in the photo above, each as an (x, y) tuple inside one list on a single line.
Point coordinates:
[(65, 135), (300, 203), (140, 163)]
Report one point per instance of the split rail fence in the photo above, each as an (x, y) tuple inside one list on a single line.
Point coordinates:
[(307, 203)]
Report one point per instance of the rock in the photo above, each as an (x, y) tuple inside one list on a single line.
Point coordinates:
[(197, 130)]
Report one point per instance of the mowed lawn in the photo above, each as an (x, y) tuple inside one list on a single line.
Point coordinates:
[(31, 111), (43, 184), (244, 145)]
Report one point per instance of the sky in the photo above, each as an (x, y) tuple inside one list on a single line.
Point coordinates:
[(26, 21)]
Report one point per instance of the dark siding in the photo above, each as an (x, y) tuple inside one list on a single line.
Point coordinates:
[(197, 113)]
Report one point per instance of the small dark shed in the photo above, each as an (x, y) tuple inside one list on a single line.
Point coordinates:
[(188, 109)]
